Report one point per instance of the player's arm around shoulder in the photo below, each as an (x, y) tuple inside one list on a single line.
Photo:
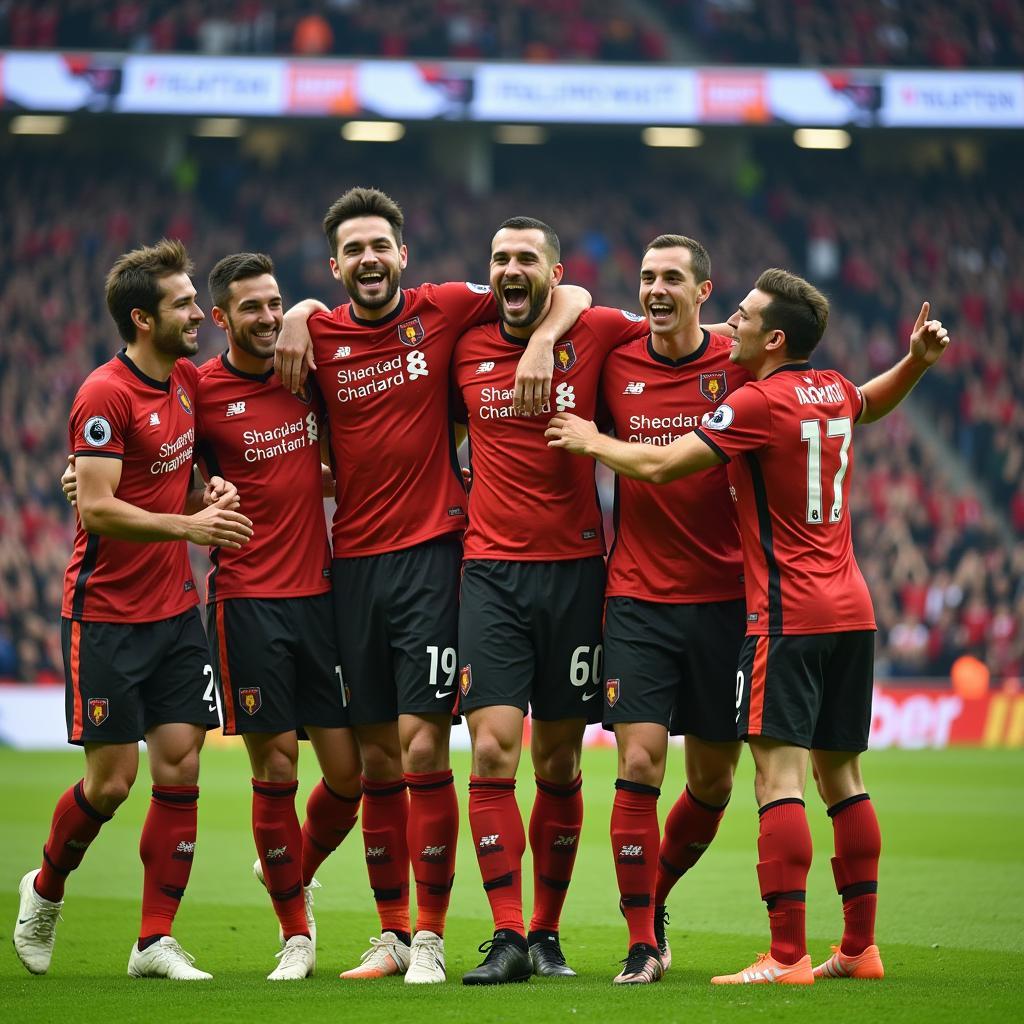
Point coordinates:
[(535, 369), (928, 341), (106, 515), (653, 463), (293, 353)]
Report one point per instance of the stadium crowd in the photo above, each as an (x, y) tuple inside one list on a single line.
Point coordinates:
[(944, 557), (909, 33)]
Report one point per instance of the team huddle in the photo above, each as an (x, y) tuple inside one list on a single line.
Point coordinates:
[(729, 609)]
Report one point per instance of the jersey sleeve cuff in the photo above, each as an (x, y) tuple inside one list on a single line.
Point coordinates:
[(711, 444), (93, 454)]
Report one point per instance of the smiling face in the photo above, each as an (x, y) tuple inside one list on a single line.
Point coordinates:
[(178, 316), (254, 315), (750, 338), (522, 275), (670, 295), (369, 263)]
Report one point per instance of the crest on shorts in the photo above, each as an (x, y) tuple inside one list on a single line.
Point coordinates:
[(251, 699), (183, 400), (410, 332), (465, 679), (99, 710), (611, 691), (565, 356), (713, 385)]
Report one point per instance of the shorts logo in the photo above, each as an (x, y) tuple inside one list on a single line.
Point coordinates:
[(565, 356), (713, 386), (99, 710), (410, 332), (97, 432), (465, 679), (183, 400), (611, 691), (251, 699)]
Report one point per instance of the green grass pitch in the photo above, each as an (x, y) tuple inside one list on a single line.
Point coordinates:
[(951, 915)]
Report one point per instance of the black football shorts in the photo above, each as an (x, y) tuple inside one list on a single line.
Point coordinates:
[(530, 637), (673, 665), (124, 678), (276, 665), (396, 617), (812, 691)]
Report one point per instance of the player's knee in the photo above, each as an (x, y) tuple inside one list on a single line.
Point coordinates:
[(711, 784), (107, 794), (379, 762), (275, 765), (559, 764), (638, 764), (425, 752), (493, 756)]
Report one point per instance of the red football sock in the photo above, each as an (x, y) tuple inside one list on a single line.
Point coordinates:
[(689, 829), (634, 846), (330, 817), (275, 827), (75, 824), (433, 836), (855, 866), (555, 825), (784, 852), (167, 845), (385, 822), (500, 842)]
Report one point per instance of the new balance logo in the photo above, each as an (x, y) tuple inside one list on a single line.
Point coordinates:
[(631, 853), (564, 842), (77, 844), (235, 408), (489, 844), (344, 352), (485, 367), (184, 850), (154, 419), (377, 854), (635, 387), (277, 853), (433, 854), (698, 847)]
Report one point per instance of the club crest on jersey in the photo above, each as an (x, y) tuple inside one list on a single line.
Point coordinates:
[(251, 699), (611, 691), (713, 385), (565, 356), (410, 332), (465, 679), (99, 710), (183, 400)]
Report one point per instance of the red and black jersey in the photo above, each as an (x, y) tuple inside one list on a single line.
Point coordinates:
[(266, 441), (386, 387), (677, 543), (789, 442), (530, 502), (120, 413)]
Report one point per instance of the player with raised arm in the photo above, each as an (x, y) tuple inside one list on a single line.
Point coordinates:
[(270, 612), (135, 655), (674, 612), (532, 593), (382, 363), (805, 673)]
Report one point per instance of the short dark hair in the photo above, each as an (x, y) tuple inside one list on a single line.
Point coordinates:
[(236, 267), (700, 260), (554, 247), (797, 309), (133, 282), (362, 202)]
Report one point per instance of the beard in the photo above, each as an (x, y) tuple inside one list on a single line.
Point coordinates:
[(391, 281), (530, 313), (243, 338), (171, 341)]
